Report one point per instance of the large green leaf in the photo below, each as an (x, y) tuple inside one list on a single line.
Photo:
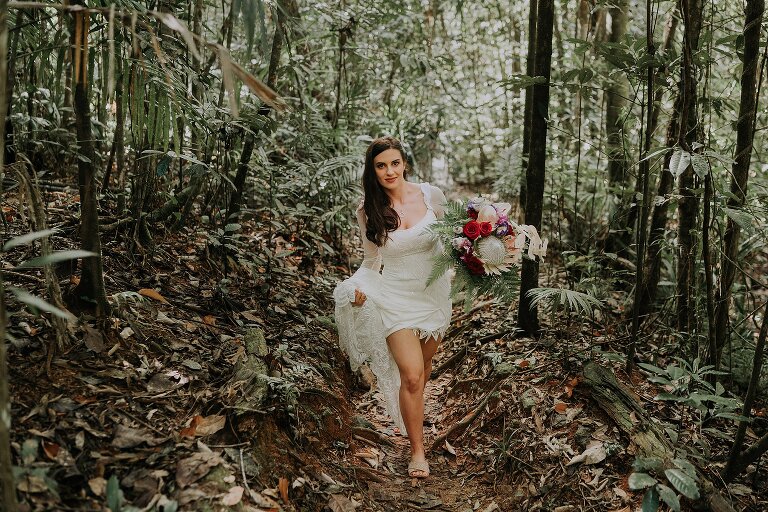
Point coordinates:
[(651, 500), (638, 481), (647, 463), (669, 497), (56, 257), (29, 237), (38, 303), (683, 483)]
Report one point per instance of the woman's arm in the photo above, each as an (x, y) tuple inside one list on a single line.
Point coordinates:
[(438, 202), (371, 256)]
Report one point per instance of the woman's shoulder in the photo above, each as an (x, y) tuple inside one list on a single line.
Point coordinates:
[(435, 193)]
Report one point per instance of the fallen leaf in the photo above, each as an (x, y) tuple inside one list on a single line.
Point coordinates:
[(51, 449), (560, 407), (98, 485), (209, 320), (192, 469), (340, 503), (450, 448), (210, 425), (127, 437), (283, 486), (93, 338), (126, 333), (592, 455), (153, 294), (233, 497)]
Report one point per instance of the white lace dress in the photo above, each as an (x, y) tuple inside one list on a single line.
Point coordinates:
[(397, 298)]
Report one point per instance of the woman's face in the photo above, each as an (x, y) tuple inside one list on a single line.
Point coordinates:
[(389, 168)]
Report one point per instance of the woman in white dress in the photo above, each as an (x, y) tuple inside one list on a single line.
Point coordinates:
[(389, 316)]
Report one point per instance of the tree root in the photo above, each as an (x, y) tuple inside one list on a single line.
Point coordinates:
[(467, 420)]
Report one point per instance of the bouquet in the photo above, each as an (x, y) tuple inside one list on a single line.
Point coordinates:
[(485, 247)]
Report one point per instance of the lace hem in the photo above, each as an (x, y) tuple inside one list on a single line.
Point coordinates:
[(363, 338), (425, 334)]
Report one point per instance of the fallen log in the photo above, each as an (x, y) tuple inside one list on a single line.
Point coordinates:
[(620, 404)]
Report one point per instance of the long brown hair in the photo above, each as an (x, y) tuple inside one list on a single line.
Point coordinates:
[(382, 218)]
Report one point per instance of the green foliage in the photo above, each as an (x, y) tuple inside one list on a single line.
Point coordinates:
[(649, 474), (687, 385), (556, 299)]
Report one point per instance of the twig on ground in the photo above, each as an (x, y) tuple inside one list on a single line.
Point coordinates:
[(468, 419)]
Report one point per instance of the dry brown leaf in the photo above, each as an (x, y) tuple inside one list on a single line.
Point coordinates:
[(192, 469), (283, 486), (51, 449), (210, 425), (209, 320), (233, 497), (93, 338), (340, 503), (152, 294), (560, 407)]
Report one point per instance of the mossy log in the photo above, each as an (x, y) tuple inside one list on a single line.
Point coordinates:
[(619, 403), (248, 384)]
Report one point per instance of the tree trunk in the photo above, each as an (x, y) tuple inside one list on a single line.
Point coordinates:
[(7, 486), (643, 177), (688, 205), (669, 38), (745, 133), (529, 70), (737, 462), (619, 236), (91, 284), (660, 215), (249, 143), (529, 278)]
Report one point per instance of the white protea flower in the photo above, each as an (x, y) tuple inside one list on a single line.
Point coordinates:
[(493, 253)]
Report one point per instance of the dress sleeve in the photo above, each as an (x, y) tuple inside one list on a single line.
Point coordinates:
[(438, 202), (371, 256)]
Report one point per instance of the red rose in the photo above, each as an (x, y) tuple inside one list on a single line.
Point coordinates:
[(486, 228), (474, 265), (472, 230), (472, 214)]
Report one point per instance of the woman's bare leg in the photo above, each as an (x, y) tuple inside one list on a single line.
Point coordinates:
[(407, 351), (428, 350)]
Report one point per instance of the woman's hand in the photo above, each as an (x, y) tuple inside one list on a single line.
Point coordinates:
[(359, 298)]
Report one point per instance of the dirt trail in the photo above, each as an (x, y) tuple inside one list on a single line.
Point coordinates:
[(450, 486)]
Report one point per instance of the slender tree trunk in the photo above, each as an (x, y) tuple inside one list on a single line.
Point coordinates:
[(91, 283), (745, 133), (7, 486), (529, 70), (735, 464), (619, 237), (660, 215), (641, 232), (669, 38), (249, 143), (688, 205), (529, 279), (197, 87)]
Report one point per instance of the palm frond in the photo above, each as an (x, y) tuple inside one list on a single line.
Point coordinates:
[(572, 301)]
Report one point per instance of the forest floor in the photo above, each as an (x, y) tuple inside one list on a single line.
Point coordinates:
[(206, 392)]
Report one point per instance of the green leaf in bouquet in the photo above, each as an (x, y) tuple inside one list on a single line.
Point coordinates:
[(441, 264)]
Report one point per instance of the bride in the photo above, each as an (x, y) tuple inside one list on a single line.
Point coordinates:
[(388, 316)]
